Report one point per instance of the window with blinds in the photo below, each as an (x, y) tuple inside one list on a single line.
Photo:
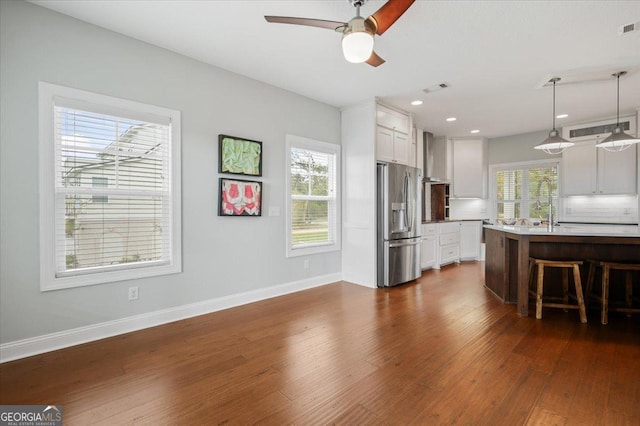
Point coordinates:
[(522, 192), (114, 190), (312, 187)]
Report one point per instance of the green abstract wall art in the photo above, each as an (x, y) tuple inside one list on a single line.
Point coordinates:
[(239, 156)]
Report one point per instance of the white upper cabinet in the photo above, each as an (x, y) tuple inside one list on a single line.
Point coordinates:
[(393, 136), (416, 149), (392, 119), (587, 170), (617, 171), (469, 177), (384, 144), (579, 167)]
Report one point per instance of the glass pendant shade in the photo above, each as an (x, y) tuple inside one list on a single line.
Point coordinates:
[(554, 144), (357, 46), (618, 140)]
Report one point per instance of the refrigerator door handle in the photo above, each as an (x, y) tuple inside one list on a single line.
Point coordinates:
[(410, 242), (405, 200)]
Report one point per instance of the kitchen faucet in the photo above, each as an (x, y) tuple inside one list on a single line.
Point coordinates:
[(539, 206)]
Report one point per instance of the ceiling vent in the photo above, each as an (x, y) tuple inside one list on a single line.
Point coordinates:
[(597, 130), (435, 88), (629, 28)]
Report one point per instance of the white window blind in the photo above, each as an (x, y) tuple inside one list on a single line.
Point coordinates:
[(114, 205), (313, 196), (522, 191)]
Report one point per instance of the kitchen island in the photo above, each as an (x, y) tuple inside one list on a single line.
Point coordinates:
[(508, 249)]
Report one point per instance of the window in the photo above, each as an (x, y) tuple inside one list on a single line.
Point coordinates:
[(109, 189), (99, 182), (522, 190), (312, 182)]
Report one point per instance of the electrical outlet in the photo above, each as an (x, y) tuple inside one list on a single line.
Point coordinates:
[(133, 293), (306, 264)]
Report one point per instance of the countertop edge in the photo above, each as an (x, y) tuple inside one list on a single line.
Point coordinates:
[(571, 231)]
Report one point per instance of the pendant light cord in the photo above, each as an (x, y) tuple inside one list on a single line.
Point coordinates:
[(554, 104), (618, 105)]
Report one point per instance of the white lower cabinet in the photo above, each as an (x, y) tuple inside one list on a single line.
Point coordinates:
[(448, 243), (470, 237), (428, 256)]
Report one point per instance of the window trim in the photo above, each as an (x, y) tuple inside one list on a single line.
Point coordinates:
[(493, 168), (47, 93), (293, 141)]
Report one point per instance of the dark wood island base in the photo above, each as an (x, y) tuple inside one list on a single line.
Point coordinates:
[(508, 250)]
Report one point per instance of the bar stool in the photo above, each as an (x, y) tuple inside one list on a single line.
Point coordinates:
[(562, 302), (603, 297)]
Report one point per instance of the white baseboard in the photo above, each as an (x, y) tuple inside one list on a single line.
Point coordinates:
[(64, 339)]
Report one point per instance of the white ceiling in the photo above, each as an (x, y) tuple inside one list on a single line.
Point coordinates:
[(494, 55)]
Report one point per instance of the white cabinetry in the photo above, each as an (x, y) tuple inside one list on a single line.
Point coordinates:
[(469, 177), (448, 243), (587, 170), (470, 235), (428, 249), (392, 146), (392, 138), (417, 150)]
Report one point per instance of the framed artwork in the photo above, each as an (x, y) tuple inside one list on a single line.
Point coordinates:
[(240, 198), (239, 156)]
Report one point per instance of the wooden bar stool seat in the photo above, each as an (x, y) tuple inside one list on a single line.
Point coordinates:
[(537, 291), (603, 297)]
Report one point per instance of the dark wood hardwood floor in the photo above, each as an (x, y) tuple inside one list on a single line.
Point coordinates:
[(441, 350)]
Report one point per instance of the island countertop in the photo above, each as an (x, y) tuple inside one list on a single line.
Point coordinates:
[(508, 249), (579, 230)]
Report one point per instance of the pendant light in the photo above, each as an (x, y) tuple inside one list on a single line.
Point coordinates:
[(618, 140), (554, 144)]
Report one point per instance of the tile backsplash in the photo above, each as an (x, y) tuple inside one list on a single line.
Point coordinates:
[(621, 209), (475, 208), (600, 209)]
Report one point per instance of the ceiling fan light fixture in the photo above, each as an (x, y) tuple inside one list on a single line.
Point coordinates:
[(554, 143), (357, 46), (618, 140)]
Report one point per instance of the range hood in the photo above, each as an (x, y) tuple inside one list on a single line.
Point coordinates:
[(428, 159)]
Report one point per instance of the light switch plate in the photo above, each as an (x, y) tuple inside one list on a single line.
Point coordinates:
[(274, 211)]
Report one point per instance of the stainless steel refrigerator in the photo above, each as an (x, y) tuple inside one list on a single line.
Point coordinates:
[(398, 224)]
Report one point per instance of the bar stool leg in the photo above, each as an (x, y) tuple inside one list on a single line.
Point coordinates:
[(539, 291), (578, 283), (590, 279), (628, 292), (565, 287), (605, 295)]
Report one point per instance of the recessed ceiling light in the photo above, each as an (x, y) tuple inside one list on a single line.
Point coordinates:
[(562, 115), (451, 119), (475, 131), (416, 102)]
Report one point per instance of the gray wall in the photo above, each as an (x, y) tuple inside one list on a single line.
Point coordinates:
[(517, 148), (221, 256)]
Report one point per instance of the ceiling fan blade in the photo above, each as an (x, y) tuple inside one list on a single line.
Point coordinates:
[(320, 23), (375, 60), (389, 13)]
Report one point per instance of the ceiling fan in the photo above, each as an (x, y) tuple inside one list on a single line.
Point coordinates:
[(357, 34)]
